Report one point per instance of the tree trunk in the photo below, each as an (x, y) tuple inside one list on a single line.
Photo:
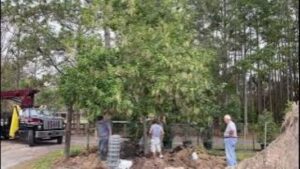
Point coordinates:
[(245, 99), (253, 141), (87, 129), (68, 131), (270, 91), (107, 38), (19, 65), (259, 95), (236, 75), (245, 108), (145, 135), (77, 115), (18, 75), (251, 97), (281, 90)]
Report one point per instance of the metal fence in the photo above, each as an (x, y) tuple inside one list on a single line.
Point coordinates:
[(181, 133), (245, 140)]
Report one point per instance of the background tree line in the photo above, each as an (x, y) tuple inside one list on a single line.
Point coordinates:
[(189, 60)]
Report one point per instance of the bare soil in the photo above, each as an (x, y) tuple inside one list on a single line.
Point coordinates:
[(180, 158), (85, 160)]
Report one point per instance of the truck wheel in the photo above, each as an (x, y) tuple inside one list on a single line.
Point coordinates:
[(5, 136), (30, 138), (59, 140)]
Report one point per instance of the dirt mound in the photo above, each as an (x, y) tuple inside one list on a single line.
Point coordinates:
[(179, 159), (282, 153), (85, 160)]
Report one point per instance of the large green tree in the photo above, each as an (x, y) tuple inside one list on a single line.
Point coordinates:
[(157, 66)]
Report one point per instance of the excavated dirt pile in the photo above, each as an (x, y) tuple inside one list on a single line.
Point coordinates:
[(282, 153), (85, 160), (181, 158)]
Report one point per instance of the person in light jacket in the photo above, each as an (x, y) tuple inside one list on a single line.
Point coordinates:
[(156, 132), (230, 140)]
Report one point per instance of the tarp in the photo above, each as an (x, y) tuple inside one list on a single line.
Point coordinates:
[(14, 126), (125, 164)]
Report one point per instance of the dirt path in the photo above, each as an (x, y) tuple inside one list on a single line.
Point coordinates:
[(16, 152)]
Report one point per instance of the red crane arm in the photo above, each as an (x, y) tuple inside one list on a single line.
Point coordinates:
[(26, 96)]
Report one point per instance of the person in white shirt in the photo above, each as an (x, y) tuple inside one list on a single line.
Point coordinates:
[(230, 140), (156, 132)]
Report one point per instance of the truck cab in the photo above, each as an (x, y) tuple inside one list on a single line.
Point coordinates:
[(38, 124)]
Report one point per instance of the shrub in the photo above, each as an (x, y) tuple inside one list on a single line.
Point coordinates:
[(272, 127)]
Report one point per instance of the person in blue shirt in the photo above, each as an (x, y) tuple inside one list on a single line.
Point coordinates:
[(104, 132)]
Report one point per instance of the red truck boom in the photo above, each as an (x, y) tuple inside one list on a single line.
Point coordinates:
[(25, 96)]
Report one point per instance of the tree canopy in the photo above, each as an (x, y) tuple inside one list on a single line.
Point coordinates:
[(183, 58), (156, 68)]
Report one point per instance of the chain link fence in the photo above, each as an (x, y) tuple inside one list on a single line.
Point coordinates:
[(177, 134)]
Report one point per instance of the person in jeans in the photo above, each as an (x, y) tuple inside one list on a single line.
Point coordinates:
[(104, 132), (156, 132), (230, 140)]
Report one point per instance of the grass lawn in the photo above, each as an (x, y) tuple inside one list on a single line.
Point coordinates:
[(46, 161), (241, 154)]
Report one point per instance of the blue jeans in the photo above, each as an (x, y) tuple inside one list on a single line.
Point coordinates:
[(103, 148), (230, 144)]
